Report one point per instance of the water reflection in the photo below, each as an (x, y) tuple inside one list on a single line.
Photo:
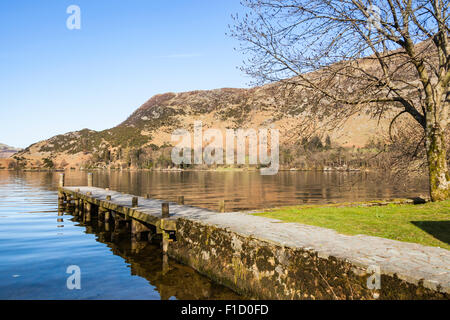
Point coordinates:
[(39, 241), (169, 278), (246, 190)]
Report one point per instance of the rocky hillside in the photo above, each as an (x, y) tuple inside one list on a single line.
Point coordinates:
[(150, 127)]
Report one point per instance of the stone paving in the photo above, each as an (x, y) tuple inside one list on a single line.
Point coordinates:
[(408, 261)]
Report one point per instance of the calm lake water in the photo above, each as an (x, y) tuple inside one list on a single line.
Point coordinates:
[(38, 243)]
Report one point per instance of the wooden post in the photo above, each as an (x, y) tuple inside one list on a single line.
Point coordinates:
[(148, 196), (134, 202), (101, 214), (222, 206), (180, 200), (76, 211), (138, 230), (107, 216), (61, 180), (108, 198), (61, 195), (107, 227), (117, 220), (90, 179), (87, 216), (165, 210)]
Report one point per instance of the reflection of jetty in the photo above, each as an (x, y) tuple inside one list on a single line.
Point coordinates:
[(264, 258), (169, 279), (143, 216), (147, 218)]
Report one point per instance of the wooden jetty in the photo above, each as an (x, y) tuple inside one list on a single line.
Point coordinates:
[(143, 216)]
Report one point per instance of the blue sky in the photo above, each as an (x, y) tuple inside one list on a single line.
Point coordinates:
[(54, 80)]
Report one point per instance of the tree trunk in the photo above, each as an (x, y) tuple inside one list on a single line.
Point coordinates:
[(439, 176)]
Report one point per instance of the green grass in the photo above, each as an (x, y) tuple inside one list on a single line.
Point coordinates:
[(427, 224)]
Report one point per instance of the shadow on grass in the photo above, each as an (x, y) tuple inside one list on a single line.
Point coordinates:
[(438, 229)]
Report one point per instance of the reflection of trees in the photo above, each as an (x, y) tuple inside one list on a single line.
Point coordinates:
[(241, 190)]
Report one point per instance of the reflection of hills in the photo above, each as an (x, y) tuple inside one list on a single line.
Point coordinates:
[(250, 190), (241, 190), (171, 279)]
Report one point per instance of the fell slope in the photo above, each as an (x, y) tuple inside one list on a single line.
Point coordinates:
[(153, 123)]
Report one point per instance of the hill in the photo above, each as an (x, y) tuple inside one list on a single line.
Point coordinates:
[(7, 151), (307, 140), (148, 130)]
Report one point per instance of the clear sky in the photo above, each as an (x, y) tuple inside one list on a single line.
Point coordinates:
[(54, 80)]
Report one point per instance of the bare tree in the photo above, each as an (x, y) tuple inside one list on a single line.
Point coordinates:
[(385, 57)]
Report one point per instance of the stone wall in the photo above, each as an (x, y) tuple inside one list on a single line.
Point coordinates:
[(262, 269)]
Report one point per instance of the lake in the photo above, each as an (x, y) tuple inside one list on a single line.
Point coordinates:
[(38, 243)]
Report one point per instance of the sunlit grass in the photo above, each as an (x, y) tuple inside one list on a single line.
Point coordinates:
[(427, 224)]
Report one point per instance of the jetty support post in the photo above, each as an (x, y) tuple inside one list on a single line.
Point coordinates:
[(90, 179), (60, 211), (165, 210), (76, 203), (107, 214), (139, 230), (165, 234), (121, 222), (103, 212), (134, 202), (180, 200), (121, 226), (87, 214), (116, 222), (76, 210), (107, 220), (101, 215), (222, 206), (87, 209), (61, 195), (62, 180)]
